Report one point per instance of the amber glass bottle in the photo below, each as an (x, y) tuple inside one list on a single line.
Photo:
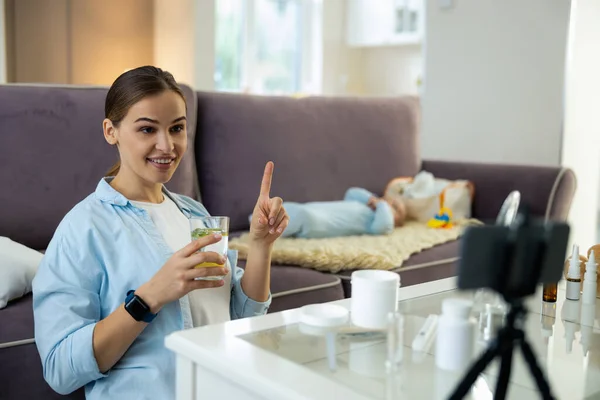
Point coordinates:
[(550, 292)]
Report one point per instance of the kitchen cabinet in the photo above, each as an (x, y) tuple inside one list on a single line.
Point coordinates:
[(384, 22)]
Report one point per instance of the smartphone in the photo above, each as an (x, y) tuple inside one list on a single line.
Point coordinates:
[(512, 260)]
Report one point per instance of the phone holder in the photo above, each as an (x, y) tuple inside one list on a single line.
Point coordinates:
[(511, 260)]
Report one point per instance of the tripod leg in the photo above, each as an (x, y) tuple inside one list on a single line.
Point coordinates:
[(463, 388), (505, 367), (537, 373)]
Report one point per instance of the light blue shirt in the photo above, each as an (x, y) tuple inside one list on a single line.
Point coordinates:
[(104, 247), (352, 216)]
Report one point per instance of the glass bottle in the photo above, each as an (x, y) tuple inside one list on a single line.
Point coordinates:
[(550, 292)]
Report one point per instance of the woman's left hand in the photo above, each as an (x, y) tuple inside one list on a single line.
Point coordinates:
[(269, 218)]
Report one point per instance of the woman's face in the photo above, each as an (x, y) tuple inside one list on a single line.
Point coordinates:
[(151, 138)]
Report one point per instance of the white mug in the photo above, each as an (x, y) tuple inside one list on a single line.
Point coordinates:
[(374, 296)]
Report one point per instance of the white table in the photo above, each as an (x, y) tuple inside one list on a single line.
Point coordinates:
[(271, 357)]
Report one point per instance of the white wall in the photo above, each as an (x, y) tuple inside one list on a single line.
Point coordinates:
[(493, 83), (392, 71), (581, 141), (184, 40), (342, 65), (370, 71), (204, 44)]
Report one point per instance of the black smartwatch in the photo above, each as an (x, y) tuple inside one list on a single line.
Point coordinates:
[(137, 308)]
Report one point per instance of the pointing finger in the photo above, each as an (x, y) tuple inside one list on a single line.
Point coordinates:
[(265, 187)]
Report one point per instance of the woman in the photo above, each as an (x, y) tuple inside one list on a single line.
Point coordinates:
[(119, 274)]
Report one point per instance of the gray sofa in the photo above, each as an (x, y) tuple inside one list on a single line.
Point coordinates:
[(52, 154)]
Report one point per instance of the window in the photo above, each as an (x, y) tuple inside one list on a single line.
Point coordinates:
[(267, 46), (229, 44)]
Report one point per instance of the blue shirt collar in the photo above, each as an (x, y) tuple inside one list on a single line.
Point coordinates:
[(105, 192)]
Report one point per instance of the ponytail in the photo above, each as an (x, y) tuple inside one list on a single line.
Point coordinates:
[(114, 169)]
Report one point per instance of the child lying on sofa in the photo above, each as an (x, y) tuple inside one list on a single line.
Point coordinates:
[(361, 212)]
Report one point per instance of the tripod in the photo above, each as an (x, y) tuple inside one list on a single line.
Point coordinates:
[(508, 336)]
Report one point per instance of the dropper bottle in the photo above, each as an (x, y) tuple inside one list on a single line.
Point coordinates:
[(548, 317), (550, 292), (588, 318), (589, 281), (574, 276), (569, 315)]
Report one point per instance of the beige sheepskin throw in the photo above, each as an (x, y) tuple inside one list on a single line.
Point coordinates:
[(357, 252)]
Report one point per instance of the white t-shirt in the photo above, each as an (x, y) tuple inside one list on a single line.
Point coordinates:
[(208, 306)]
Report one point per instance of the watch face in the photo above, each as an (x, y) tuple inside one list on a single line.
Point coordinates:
[(136, 308)]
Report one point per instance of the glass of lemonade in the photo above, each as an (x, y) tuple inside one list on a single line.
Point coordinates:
[(204, 226)]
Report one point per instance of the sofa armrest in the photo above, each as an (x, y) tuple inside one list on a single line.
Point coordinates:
[(548, 191)]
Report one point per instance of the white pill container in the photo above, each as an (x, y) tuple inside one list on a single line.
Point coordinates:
[(455, 335), (374, 296)]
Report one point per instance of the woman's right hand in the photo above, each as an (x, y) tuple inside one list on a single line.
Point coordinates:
[(177, 277)]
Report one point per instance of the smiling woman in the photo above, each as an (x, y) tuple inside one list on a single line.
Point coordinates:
[(123, 258), (151, 139)]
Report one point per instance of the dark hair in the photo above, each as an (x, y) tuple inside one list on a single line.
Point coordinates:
[(131, 87)]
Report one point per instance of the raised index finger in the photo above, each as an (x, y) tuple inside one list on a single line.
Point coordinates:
[(265, 186)]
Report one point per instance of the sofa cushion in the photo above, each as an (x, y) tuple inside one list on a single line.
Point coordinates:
[(18, 265), (321, 146), (429, 265), (53, 153)]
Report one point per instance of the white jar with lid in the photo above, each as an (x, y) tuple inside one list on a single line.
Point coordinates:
[(455, 335), (374, 296)]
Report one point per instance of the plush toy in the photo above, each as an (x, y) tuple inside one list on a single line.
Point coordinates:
[(443, 219), (439, 203)]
